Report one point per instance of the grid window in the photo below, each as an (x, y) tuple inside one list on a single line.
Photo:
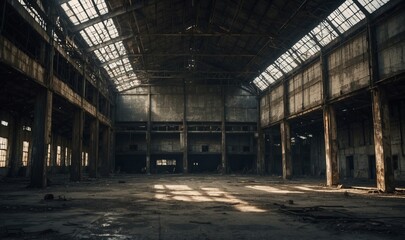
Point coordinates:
[(58, 155), (372, 5), (48, 156), (164, 162), (3, 151), (324, 33), (85, 159), (25, 152), (68, 156), (346, 16)]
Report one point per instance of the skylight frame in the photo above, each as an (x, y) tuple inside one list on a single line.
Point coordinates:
[(343, 18)]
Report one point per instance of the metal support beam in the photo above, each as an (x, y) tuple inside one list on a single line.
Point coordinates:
[(286, 149), (224, 158), (16, 147), (93, 152), (184, 136), (260, 142), (382, 141), (331, 146), (77, 145), (109, 42), (41, 137), (106, 155), (148, 131)]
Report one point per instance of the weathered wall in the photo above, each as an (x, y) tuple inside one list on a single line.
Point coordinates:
[(349, 67), (240, 106), (167, 104), (165, 143), (204, 104), (276, 103), (391, 45), (305, 89), (196, 141)]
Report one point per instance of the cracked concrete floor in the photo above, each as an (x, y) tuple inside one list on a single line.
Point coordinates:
[(197, 207)]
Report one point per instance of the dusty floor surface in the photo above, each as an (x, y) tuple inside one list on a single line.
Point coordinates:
[(197, 207)]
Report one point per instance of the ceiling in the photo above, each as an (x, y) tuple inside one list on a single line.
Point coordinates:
[(141, 42)]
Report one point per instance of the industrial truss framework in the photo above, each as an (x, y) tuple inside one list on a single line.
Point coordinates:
[(127, 43)]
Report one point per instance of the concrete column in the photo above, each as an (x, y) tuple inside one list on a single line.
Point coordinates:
[(93, 152), (148, 132), (331, 147), (224, 160), (77, 145), (286, 149), (106, 155), (382, 141), (16, 148), (271, 163), (184, 135), (260, 143), (41, 137)]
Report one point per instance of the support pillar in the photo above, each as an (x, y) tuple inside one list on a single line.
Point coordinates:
[(224, 160), (16, 148), (271, 162), (331, 147), (184, 136), (148, 132), (93, 152), (106, 157), (382, 141), (77, 145), (41, 137), (286, 149), (260, 143)]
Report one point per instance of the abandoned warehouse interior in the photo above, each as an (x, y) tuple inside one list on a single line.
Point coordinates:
[(216, 101)]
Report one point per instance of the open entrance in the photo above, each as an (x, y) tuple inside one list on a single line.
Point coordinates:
[(131, 163), (242, 163), (349, 167), (371, 167), (204, 163)]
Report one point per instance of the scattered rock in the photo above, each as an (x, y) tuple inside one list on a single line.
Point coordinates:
[(121, 181), (291, 202), (48, 197), (346, 194), (342, 186)]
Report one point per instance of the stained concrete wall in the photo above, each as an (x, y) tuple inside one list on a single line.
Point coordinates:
[(276, 103), (349, 67), (391, 45), (240, 106), (166, 143), (196, 141), (305, 89), (204, 104)]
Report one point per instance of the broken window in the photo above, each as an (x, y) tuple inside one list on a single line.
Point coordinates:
[(58, 155), (85, 159), (3, 151), (165, 162), (25, 151)]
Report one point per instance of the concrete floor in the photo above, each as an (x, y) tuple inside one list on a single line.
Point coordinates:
[(197, 207)]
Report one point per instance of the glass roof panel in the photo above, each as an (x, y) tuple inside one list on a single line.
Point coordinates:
[(346, 16), (372, 5), (324, 33)]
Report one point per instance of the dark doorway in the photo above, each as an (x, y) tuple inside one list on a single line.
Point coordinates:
[(371, 167), (204, 163), (349, 167), (130, 163)]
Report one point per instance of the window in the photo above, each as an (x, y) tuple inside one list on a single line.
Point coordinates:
[(204, 148), (48, 156), (246, 148), (68, 156), (26, 147), (3, 151), (164, 162), (4, 123), (27, 128), (58, 156), (395, 164), (85, 159)]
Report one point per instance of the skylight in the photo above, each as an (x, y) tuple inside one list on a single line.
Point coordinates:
[(113, 57), (343, 18)]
